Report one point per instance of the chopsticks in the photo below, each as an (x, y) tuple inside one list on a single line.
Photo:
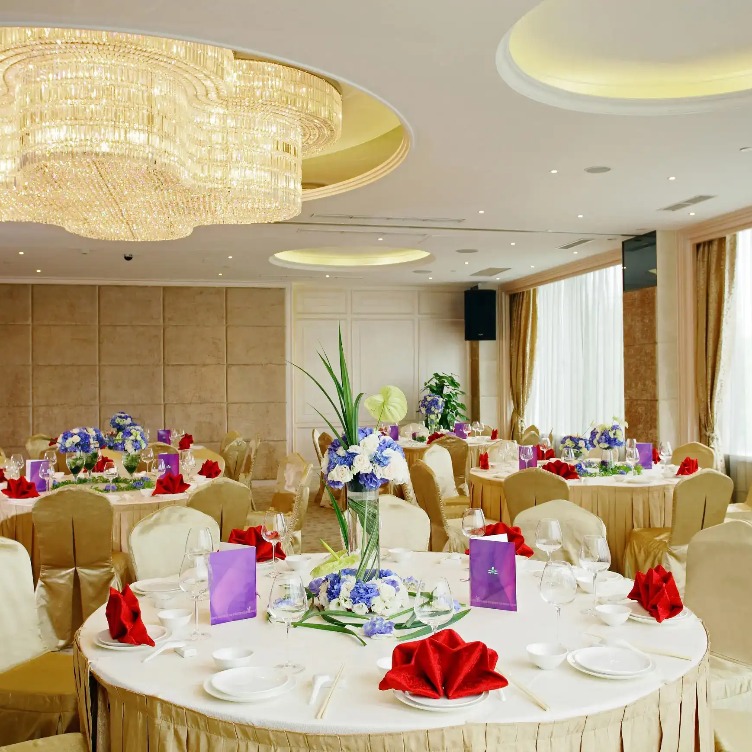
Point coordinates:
[(325, 704), (525, 691)]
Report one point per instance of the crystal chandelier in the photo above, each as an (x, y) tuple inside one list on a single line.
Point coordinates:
[(126, 137)]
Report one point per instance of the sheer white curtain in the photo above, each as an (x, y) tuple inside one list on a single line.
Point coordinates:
[(578, 376), (735, 425)]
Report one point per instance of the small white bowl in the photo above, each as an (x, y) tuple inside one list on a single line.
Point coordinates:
[(613, 614), (384, 664), (298, 563), (232, 658), (606, 580), (399, 555), (546, 655), (174, 618)]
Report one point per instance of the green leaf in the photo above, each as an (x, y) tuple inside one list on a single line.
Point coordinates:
[(341, 521), (427, 630), (332, 628)]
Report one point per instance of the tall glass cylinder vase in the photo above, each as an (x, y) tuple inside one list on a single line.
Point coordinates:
[(607, 457), (363, 529)]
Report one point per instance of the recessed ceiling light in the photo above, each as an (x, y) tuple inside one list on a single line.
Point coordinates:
[(327, 276), (481, 211), (220, 274), (39, 271), (20, 253), (553, 172), (513, 243), (229, 257), (691, 214), (381, 238), (466, 263), (430, 278), (746, 148), (575, 252), (496, 278), (580, 216), (531, 266), (672, 177)]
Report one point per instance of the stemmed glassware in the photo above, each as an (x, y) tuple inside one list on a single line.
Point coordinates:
[(558, 587), (473, 526), (47, 473), (632, 458), (199, 541), (274, 531), (545, 444), (194, 580), (665, 452), (75, 463), (526, 452), (476, 427), (568, 455), (595, 557), (51, 456), (434, 604), (548, 535), (16, 465), (288, 602), (161, 468), (110, 472), (147, 455), (187, 462)]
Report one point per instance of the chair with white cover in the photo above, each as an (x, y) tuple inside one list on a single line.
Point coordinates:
[(530, 436), (528, 488), (575, 523), (245, 476), (438, 458), (407, 431), (37, 445), (459, 452), (37, 688), (226, 501), (719, 560), (704, 455), (73, 528), (402, 524), (157, 542), (229, 437), (234, 455), (732, 730), (700, 501), (202, 454), (60, 743)]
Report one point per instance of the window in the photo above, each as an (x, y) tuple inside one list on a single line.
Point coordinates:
[(578, 376)]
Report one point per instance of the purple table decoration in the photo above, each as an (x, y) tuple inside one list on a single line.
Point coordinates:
[(493, 573), (524, 464), (164, 435), (645, 450), (32, 474), (232, 585), (171, 462), (460, 430), (394, 432)]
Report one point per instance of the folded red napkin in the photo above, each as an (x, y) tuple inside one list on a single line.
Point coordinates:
[(52, 442), (657, 593), (544, 454), (688, 466), (562, 469), (186, 441), (435, 435), (123, 614), (20, 489), (656, 456), (210, 469), (443, 665), (102, 464), (494, 434), (483, 461), (170, 483), (514, 535), (252, 537)]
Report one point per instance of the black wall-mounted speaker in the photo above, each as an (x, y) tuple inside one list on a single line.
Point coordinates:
[(480, 314)]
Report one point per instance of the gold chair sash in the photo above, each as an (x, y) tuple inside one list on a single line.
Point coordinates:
[(74, 531), (229, 437), (527, 488), (37, 445), (226, 501)]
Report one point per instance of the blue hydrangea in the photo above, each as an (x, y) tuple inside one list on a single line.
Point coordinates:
[(315, 585), (81, 439), (378, 625), (431, 406), (364, 592), (334, 585)]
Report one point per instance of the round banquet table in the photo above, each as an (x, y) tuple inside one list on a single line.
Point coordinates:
[(131, 706), (414, 450), (621, 504)]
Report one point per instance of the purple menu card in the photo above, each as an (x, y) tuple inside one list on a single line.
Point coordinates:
[(524, 464), (164, 435), (646, 455), (171, 463), (32, 473), (460, 430), (232, 585), (493, 573), (394, 432)]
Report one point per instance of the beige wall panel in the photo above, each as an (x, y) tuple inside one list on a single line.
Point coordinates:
[(15, 304), (16, 344), (53, 420), (130, 305), (255, 306), (50, 387), (253, 345), (15, 428), (64, 304), (200, 345), (188, 306), (130, 385), (207, 422), (130, 345), (64, 345), (255, 383), (187, 384), (266, 420), (148, 416), (15, 386)]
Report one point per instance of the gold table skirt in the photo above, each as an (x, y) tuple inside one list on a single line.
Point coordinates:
[(622, 507), (675, 718)]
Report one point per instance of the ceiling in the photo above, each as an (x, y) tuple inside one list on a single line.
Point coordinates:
[(478, 173)]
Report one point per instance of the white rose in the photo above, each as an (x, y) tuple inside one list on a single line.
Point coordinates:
[(335, 605), (341, 474), (378, 606), (371, 443), (387, 592), (361, 464), (345, 590), (360, 608), (345, 603)]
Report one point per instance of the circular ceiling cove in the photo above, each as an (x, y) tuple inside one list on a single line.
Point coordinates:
[(346, 257)]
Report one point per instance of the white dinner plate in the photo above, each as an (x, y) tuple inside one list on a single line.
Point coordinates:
[(210, 689), (639, 480), (572, 661), (439, 705), (103, 639), (641, 615), (156, 585), (615, 661), (249, 683)]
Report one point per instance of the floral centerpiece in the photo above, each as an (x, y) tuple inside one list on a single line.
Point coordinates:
[(131, 440), (608, 436), (580, 444), (447, 387), (431, 407), (343, 591), (83, 444)]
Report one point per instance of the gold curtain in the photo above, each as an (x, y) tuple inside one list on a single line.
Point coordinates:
[(716, 265), (523, 307)]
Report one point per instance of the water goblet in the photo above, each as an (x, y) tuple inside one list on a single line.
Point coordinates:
[(473, 526), (110, 472), (548, 536), (526, 453), (544, 444), (47, 473), (665, 452), (476, 427), (199, 541), (274, 531), (288, 602), (595, 557), (51, 456), (434, 604), (632, 458), (630, 444), (16, 464), (568, 455), (147, 455), (194, 580), (558, 587)]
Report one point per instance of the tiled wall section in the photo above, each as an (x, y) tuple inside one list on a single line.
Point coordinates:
[(640, 365), (201, 359)]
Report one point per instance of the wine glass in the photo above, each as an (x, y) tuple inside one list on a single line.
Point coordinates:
[(288, 602), (434, 603), (161, 468), (476, 427), (558, 587), (548, 535), (665, 452), (632, 458), (187, 462), (526, 453), (51, 456), (147, 435), (194, 580), (631, 444), (175, 437), (274, 531), (545, 444), (16, 464), (110, 472), (595, 557), (75, 463), (199, 541), (147, 455), (47, 473), (568, 455), (473, 523)]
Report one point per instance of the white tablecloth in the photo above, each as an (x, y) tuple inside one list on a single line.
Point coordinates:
[(359, 707)]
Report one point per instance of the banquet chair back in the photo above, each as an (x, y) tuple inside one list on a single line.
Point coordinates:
[(575, 523), (234, 455), (704, 455), (402, 524), (719, 560), (528, 488), (160, 447), (203, 454), (73, 527), (700, 501), (157, 543), (409, 429), (37, 445), (458, 451), (229, 437), (439, 460), (530, 436), (315, 436), (117, 459), (246, 469), (226, 501), (428, 495), (19, 625)]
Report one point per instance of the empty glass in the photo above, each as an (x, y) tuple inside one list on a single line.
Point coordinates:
[(274, 531), (632, 458), (288, 602), (47, 473), (199, 541), (147, 455), (161, 468), (194, 580), (187, 462), (544, 443), (665, 451), (473, 523), (558, 587), (526, 453), (631, 443), (568, 455), (16, 465), (476, 427), (51, 456), (434, 604), (548, 536), (595, 557)]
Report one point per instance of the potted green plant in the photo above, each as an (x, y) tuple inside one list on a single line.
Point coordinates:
[(446, 387)]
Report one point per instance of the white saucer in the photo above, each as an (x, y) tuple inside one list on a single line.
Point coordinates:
[(103, 639), (572, 661), (439, 705), (155, 585), (250, 682), (613, 660), (214, 692)]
